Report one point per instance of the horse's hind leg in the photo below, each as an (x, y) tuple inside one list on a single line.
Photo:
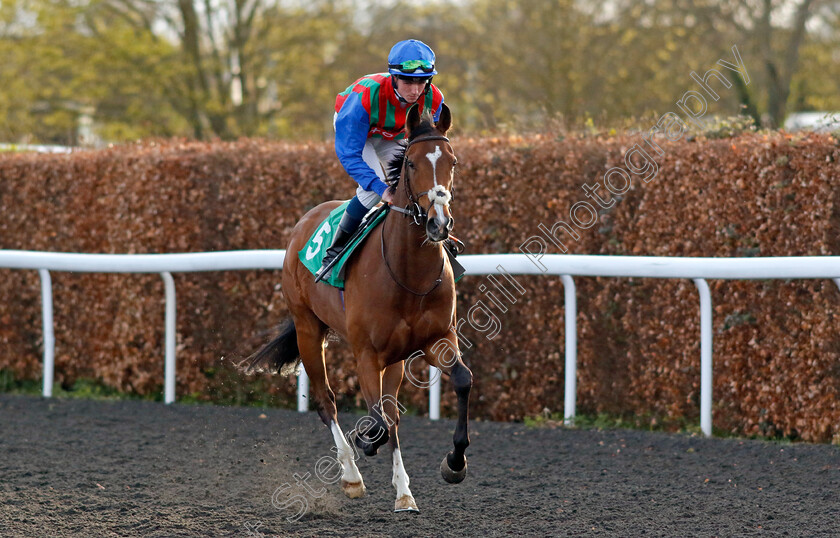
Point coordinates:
[(390, 409), (311, 333)]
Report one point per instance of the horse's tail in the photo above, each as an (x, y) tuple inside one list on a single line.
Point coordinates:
[(281, 354)]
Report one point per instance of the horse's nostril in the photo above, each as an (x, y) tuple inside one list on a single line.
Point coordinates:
[(435, 232)]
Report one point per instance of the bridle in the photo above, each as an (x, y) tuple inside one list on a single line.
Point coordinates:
[(414, 210), (418, 215)]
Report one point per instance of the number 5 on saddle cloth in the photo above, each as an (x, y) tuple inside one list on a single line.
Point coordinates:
[(312, 254)]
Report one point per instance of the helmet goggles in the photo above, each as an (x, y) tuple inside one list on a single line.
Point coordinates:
[(417, 68)]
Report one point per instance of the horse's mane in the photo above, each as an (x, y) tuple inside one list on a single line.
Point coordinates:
[(395, 165)]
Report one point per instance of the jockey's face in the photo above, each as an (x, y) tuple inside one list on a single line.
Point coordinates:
[(411, 88)]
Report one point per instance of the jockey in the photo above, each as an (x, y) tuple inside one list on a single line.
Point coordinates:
[(369, 119)]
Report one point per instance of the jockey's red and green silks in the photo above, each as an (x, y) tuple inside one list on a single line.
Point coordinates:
[(387, 114)]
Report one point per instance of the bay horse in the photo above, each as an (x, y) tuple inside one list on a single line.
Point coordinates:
[(399, 299)]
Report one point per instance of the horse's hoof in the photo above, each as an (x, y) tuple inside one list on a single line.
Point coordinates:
[(406, 504), (453, 477), (371, 446), (371, 450), (354, 490)]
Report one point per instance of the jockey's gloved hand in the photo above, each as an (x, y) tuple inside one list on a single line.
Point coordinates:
[(388, 195)]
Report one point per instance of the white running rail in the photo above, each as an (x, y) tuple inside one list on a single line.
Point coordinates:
[(566, 266), (164, 264)]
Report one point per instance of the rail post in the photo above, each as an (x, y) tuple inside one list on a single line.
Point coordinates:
[(570, 313), (705, 356), (171, 327), (49, 331), (434, 393), (302, 391)]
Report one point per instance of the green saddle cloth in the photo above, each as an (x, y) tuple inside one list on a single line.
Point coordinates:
[(312, 254)]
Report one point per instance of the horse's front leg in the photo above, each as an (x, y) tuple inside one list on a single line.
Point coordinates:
[(371, 430), (445, 355), (390, 408)]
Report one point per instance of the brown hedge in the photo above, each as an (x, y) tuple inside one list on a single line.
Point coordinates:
[(776, 369)]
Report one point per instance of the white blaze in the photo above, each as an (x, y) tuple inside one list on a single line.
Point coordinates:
[(433, 158)]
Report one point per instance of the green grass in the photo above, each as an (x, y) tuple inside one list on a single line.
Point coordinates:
[(81, 388), (253, 394), (606, 421), (8, 383), (646, 422)]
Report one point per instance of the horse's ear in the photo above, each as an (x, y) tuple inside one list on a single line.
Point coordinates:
[(412, 120), (445, 121)]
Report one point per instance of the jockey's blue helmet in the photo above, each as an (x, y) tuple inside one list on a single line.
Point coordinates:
[(411, 58)]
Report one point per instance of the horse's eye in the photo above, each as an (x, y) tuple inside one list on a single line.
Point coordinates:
[(410, 164), (455, 163)]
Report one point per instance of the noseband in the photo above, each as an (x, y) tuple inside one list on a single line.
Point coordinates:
[(420, 216)]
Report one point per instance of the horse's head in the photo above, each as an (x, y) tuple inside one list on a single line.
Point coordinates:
[(427, 173)]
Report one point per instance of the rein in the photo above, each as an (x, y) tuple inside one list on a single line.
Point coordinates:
[(397, 280), (418, 215)]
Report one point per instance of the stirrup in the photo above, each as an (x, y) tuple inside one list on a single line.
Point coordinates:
[(340, 242), (322, 273), (327, 266)]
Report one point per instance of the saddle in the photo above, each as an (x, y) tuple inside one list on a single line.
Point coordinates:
[(312, 254)]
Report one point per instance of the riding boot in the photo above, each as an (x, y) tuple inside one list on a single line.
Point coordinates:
[(339, 242)]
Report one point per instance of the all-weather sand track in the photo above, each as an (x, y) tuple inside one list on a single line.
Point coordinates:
[(132, 468)]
